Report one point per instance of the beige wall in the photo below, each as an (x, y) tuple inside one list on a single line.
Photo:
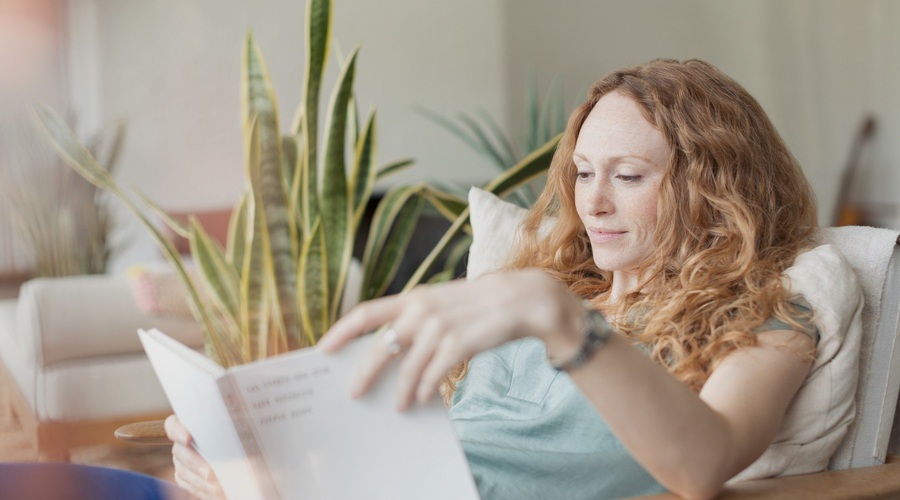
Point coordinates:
[(816, 66), (170, 69)]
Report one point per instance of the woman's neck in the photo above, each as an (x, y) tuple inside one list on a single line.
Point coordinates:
[(623, 283)]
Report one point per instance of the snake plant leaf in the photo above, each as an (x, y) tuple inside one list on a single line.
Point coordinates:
[(459, 250), (216, 273), (532, 166), (364, 169), (288, 159), (335, 200), (174, 224), (445, 275), (268, 183), (237, 233), (318, 36), (449, 236), (393, 168), (447, 204), (252, 274), (76, 156), (313, 279), (393, 223), (353, 121), (70, 149)]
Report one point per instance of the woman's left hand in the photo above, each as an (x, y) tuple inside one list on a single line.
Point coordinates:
[(438, 326)]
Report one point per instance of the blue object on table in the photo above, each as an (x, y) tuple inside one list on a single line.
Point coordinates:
[(65, 481)]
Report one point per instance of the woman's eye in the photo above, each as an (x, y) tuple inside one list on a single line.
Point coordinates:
[(583, 175), (629, 178)]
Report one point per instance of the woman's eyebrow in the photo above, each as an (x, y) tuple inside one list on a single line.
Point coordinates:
[(616, 158)]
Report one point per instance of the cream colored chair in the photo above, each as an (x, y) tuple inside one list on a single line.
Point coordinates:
[(74, 367), (857, 468), (867, 463)]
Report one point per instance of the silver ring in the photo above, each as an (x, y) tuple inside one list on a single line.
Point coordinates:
[(389, 337)]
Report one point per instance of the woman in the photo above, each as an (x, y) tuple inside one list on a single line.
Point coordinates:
[(657, 291)]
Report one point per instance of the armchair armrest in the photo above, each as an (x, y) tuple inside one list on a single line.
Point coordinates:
[(880, 481), (149, 432), (62, 319)]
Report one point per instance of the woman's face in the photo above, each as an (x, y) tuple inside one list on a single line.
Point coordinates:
[(620, 159)]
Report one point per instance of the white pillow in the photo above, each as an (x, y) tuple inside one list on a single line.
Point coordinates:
[(820, 413), (495, 225)]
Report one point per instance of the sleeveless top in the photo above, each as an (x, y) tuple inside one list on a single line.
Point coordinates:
[(529, 433)]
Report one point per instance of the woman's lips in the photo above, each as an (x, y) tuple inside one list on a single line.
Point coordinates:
[(604, 235)]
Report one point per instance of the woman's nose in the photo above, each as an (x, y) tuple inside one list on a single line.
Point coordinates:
[(600, 199)]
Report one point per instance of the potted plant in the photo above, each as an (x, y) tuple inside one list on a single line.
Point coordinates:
[(277, 283)]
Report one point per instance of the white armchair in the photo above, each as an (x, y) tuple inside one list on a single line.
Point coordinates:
[(74, 365)]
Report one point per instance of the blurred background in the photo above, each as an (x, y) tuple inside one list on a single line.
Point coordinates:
[(169, 71)]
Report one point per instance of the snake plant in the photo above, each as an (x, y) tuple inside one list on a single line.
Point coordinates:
[(278, 282)]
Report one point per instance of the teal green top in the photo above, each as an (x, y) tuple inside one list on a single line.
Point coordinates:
[(529, 432)]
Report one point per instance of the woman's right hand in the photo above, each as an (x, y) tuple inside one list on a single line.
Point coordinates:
[(192, 472)]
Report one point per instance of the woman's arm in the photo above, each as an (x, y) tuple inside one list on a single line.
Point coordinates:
[(690, 443)]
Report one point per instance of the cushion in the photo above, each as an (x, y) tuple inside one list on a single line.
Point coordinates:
[(818, 418), (159, 292)]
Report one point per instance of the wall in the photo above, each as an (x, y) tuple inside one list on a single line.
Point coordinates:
[(816, 66), (171, 70)]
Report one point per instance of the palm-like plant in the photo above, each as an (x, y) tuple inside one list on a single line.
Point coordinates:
[(545, 119), (64, 221), (278, 282)]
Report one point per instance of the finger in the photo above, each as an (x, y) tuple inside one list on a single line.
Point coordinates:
[(447, 355), (364, 318), (176, 431), (369, 368), (457, 345), (415, 361), (194, 472)]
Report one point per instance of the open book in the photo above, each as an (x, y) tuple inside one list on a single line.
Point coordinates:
[(286, 427)]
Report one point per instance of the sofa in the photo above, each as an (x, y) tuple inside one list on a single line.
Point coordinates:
[(74, 367)]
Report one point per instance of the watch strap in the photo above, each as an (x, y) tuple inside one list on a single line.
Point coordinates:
[(595, 333)]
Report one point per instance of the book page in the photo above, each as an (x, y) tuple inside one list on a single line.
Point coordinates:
[(189, 380), (318, 443)]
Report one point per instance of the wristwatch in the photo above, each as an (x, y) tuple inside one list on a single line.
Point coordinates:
[(595, 333)]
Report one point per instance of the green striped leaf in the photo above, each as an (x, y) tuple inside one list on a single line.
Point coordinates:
[(174, 224), (318, 37), (268, 184), (449, 236), (389, 235), (393, 168), (314, 285), (531, 167), (364, 166), (255, 256), (219, 277), (449, 205), (237, 233), (335, 201)]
